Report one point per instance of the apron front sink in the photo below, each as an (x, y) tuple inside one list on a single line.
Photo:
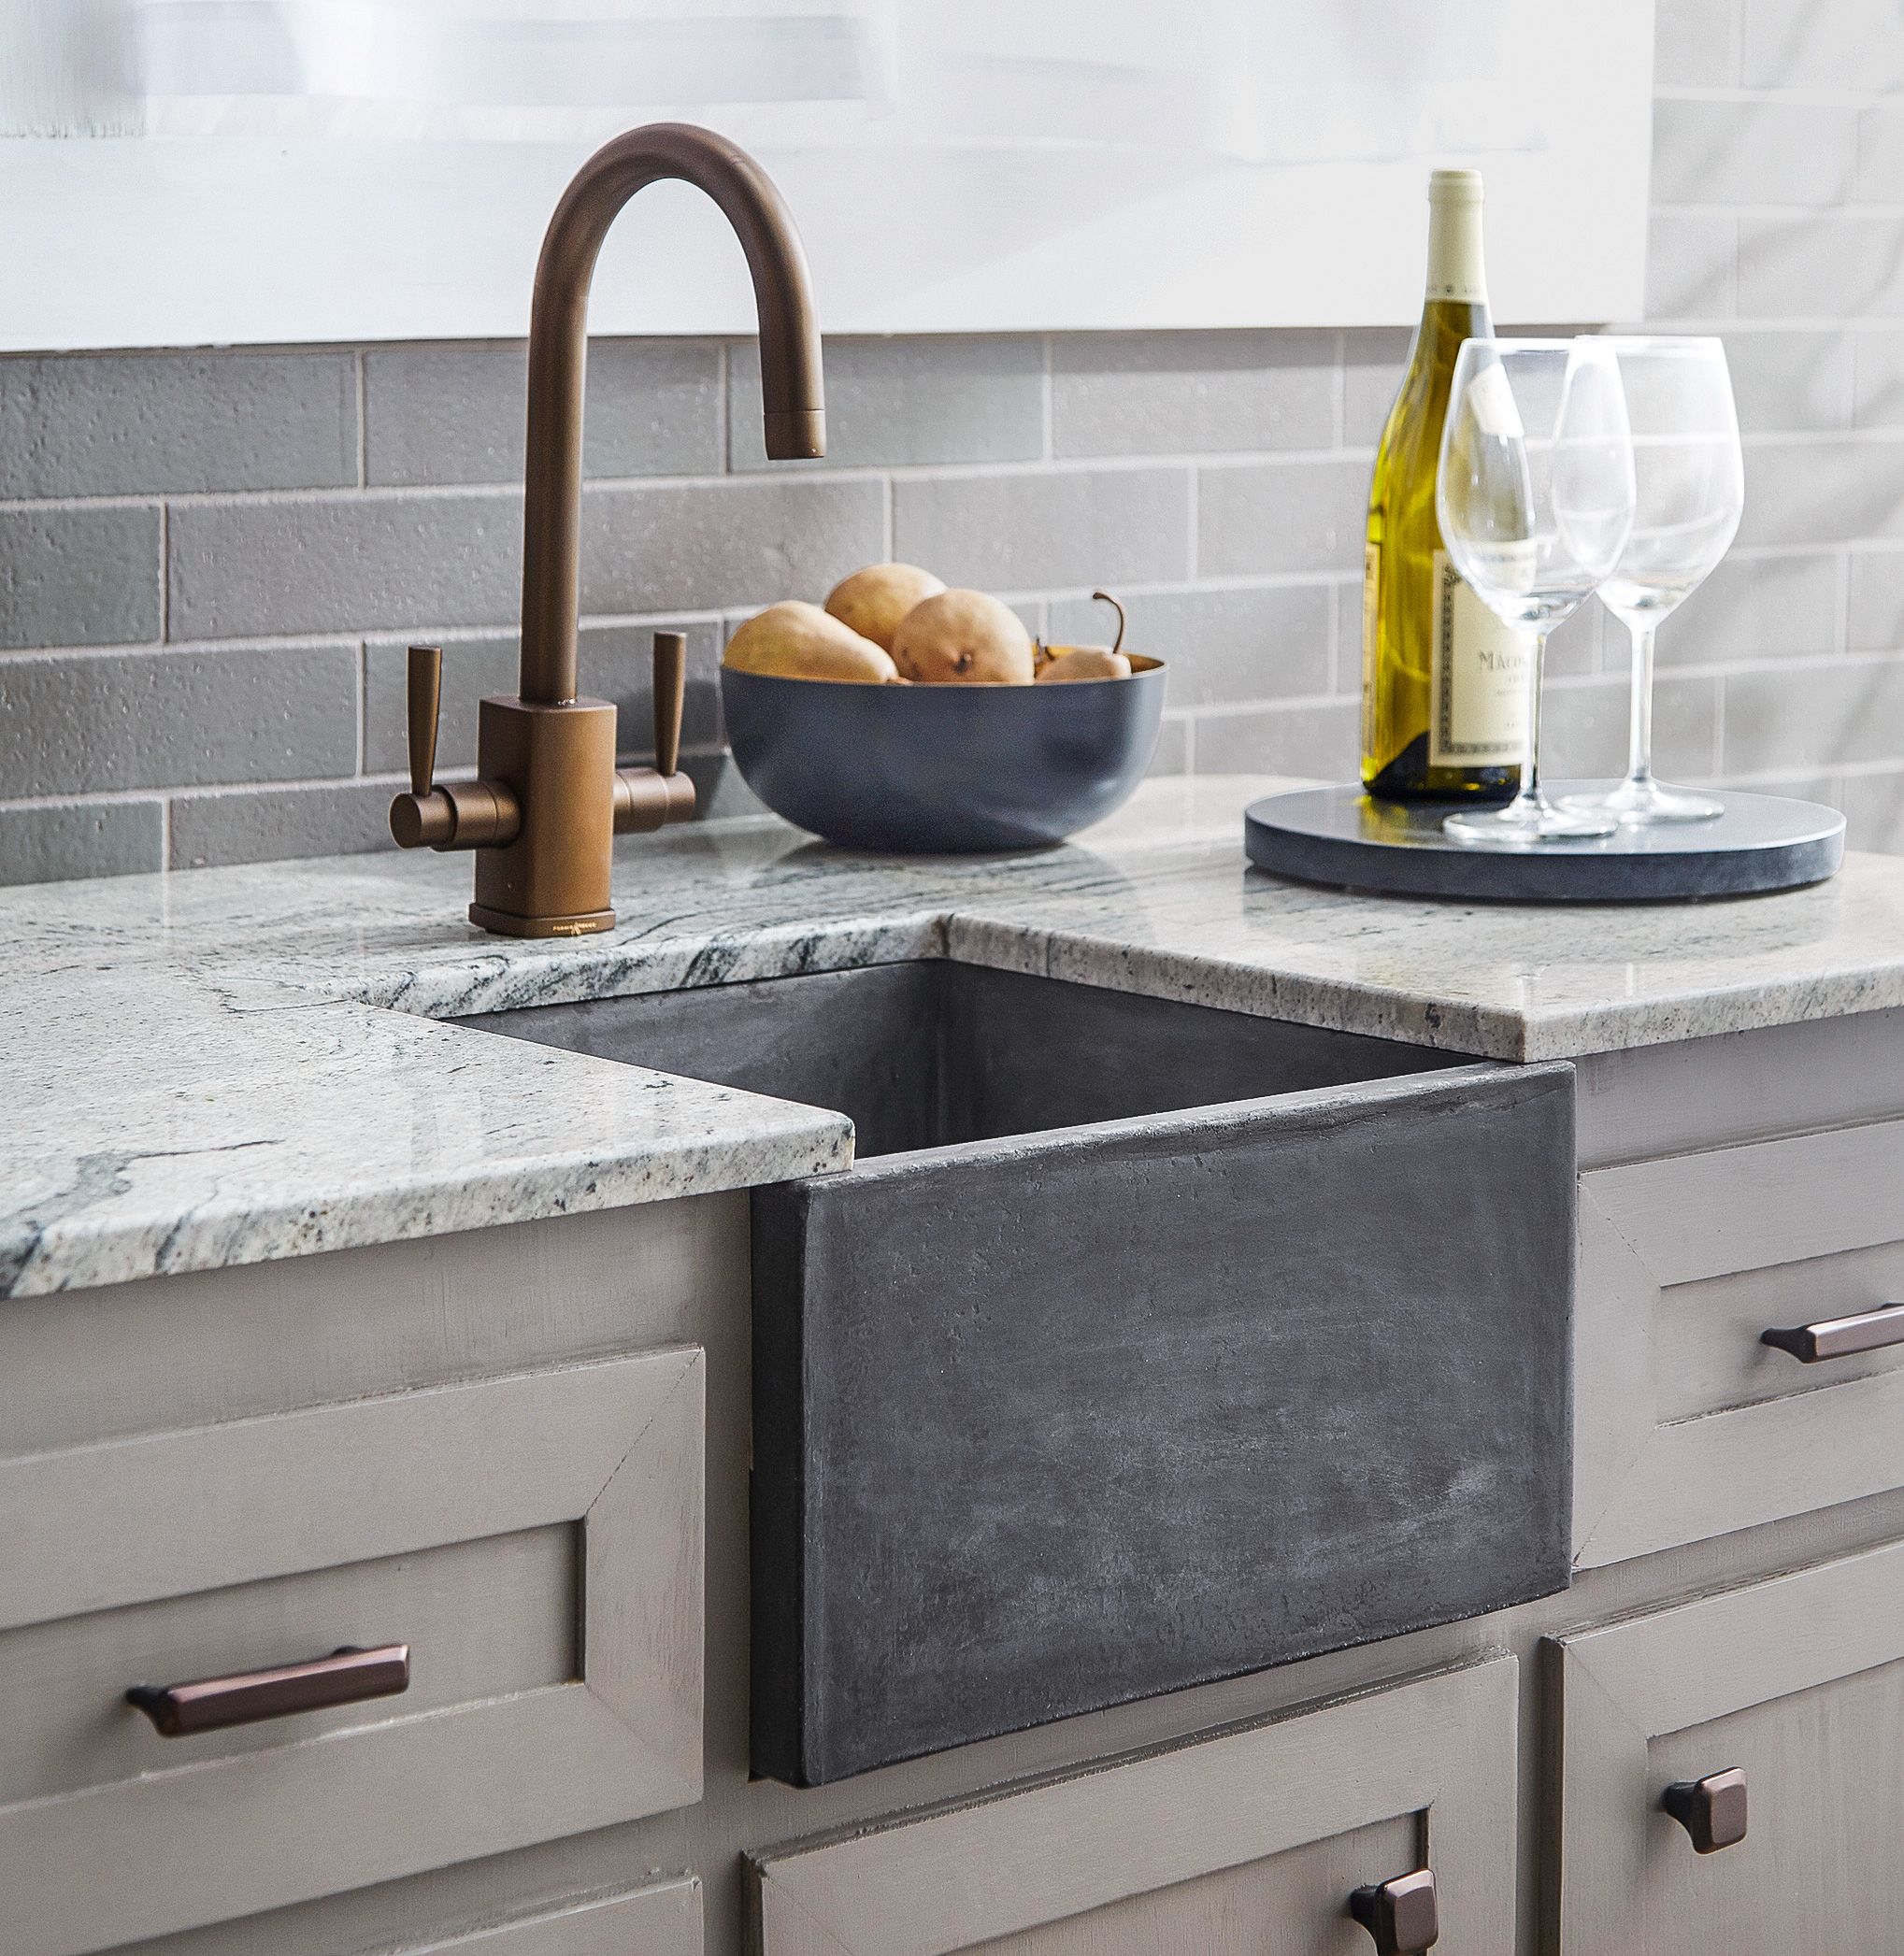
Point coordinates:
[(1145, 1344)]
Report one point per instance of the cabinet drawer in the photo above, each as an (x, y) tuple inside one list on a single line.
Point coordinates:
[(534, 1540), (1687, 1425), (663, 1919), (1245, 1840), (1799, 1685)]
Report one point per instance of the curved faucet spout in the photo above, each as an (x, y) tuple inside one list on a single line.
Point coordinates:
[(558, 340)]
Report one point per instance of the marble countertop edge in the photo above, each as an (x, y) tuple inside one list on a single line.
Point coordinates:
[(86, 1252)]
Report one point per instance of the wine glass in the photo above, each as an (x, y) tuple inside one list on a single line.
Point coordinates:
[(1535, 496), (1690, 490)]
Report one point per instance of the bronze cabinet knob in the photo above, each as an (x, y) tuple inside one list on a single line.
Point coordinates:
[(1401, 1914), (1711, 1810)]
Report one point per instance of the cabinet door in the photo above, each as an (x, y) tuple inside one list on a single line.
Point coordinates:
[(1797, 1682), (1688, 1427), (1243, 1841), (534, 1540)]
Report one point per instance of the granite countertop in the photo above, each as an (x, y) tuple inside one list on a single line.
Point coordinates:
[(228, 1067)]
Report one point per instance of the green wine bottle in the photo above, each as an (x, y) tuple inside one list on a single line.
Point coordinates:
[(1444, 711)]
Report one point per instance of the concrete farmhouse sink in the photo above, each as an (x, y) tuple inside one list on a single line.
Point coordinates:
[(1146, 1343)]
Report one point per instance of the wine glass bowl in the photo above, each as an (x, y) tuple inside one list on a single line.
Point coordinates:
[(1689, 478), (1535, 496)]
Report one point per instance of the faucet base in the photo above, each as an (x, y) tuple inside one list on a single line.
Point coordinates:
[(557, 761), (504, 924)]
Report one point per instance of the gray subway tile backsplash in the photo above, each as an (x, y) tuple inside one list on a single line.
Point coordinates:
[(196, 519), (709, 546), (1691, 264), (1821, 492), (1259, 518), (894, 403), (1585, 723), (261, 825), (1811, 265), (80, 576), (1025, 529), (50, 843), (1183, 393), (175, 423), (1787, 378), (1696, 43), (1752, 608), (435, 415), (78, 722), (1373, 364), (1797, 44), (1874, 610), (1315, 737), (344, 564), (1224, 646), (1844, 712), (1753, 151)]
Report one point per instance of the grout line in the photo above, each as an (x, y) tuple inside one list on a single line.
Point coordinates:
[(164, 573), (723, 420), (86, 798), (362, 425), (362, 703), (372, 494)]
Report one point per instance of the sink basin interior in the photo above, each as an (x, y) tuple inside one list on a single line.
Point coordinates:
[(936, 1054)]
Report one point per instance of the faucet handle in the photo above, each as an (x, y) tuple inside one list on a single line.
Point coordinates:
[(670, 696), (426, 817), (425, 706), (650, 798)]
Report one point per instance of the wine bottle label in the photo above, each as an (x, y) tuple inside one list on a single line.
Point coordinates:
[(1480, 677)]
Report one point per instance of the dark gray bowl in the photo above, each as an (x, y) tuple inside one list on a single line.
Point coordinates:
[(943, 770)]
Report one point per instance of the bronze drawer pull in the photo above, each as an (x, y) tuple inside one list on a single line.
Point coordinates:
[(1402, 1915), (346, 1677), (1840, 1337), (1711, 1810)]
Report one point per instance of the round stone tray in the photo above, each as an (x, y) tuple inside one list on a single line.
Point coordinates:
[(1338, 836)]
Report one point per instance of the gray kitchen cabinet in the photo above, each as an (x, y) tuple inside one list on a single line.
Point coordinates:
[(536, 1540), (1798, 1682), (1242, 1841), (1687, 1426)]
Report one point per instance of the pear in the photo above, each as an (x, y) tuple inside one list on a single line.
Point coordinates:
[(874, 600), (964, 635), (799, 641), (1082, 662)]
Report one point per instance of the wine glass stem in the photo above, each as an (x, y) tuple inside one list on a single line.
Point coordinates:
[(1640, 737), (1537, 659)]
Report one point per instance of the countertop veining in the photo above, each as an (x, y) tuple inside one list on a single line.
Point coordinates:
[(228, 1067)]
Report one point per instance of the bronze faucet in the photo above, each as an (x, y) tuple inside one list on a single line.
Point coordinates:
[(548, 800)]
